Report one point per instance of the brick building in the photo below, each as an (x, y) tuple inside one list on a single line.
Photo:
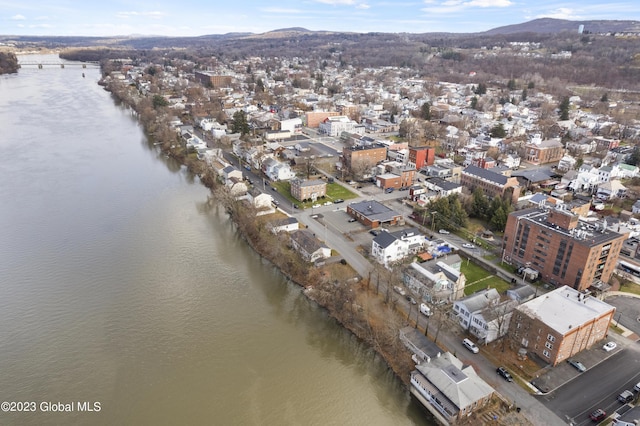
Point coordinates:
[(561, 247), (207, 78), (492, 184), (544, 151), (370, 154), (421, 156), (560, 324), (308, 189), (314, 118)]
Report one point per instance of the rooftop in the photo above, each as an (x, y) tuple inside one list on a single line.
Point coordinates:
[(565, 308)]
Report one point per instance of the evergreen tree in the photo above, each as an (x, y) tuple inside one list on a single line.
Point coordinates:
[(511, 85), (240, 124), (564, 108), (425, 112), (524, 94), (480, 205), (498, 131)]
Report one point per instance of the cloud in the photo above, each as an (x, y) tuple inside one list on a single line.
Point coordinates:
[(451, 6), (18, 17), (560, 13), (152, 15), (363, 6), (337, 2), (281, 11)]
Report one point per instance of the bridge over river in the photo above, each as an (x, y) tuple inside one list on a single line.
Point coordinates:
[(42, 64)]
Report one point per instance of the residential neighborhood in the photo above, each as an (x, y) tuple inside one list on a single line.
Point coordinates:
[(507, 222)]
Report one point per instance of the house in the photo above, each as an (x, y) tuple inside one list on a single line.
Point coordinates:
[(437, 280), (612, 189), (635, 209), (422, 348), (277, 171), (465, 307), (390, 247), (334, 126), (561, 323), (449, 389), (493, 321), (231, 172), (288, 224), (443, 187), (522, 293), (309, 247)]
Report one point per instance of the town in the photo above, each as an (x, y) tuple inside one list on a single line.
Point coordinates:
[(481, 235)]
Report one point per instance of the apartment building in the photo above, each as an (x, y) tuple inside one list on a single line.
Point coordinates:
[(560, 324), (308, 189), (561, 247), (370, 154), (492, 184)]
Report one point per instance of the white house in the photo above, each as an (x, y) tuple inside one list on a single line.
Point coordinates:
[(493, 321), (466, 307), (611, 189), (389, 247), (435, 281), (288, 224), (334, 126), (276, 171), (309, 247)]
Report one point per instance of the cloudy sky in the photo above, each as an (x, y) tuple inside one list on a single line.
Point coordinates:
[(199, 17)]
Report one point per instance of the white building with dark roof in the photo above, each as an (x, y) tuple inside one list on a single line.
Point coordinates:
[(449, 389), (390, 247)]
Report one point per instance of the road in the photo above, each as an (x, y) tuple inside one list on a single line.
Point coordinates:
[(598, 387)]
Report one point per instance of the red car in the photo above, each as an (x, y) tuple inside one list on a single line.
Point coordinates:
[(598, 415)]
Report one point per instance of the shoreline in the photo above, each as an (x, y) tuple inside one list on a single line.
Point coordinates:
[(376, 331)]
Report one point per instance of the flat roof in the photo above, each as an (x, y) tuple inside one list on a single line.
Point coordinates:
[(565, 308)]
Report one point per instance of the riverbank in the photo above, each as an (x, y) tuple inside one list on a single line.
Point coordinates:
[(354, 304)]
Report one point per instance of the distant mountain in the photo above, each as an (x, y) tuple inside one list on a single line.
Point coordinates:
[(550, 25)]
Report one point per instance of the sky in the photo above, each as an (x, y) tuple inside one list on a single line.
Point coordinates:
[(201, 17)]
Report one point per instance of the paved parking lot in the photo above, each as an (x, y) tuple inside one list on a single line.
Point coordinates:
[(627, 312)]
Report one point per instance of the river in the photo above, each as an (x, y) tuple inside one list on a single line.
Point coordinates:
[(124, 290)]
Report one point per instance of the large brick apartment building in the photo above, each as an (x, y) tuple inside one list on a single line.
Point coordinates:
[(370, 154), (207, 79), (560, 324), (492, 184), (561, 247)]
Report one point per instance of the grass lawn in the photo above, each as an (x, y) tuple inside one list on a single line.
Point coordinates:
[(334, 191), (478, 279), (630, 287)]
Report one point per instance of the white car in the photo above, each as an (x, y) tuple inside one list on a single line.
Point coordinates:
[(469, 246), (443, 231), (399, 290), (609, 346)]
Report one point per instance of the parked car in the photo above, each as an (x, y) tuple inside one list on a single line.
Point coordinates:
[(315, 206), (411, 300), (637, 387), (578, 365), (469, 246), (609, 346), (425, 310), (443, 231), (504, 373), (625, 396), (353, 219), (470, 345), (374, 232), (598, 415), (399, 290), (388, 190), (338, 200)]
